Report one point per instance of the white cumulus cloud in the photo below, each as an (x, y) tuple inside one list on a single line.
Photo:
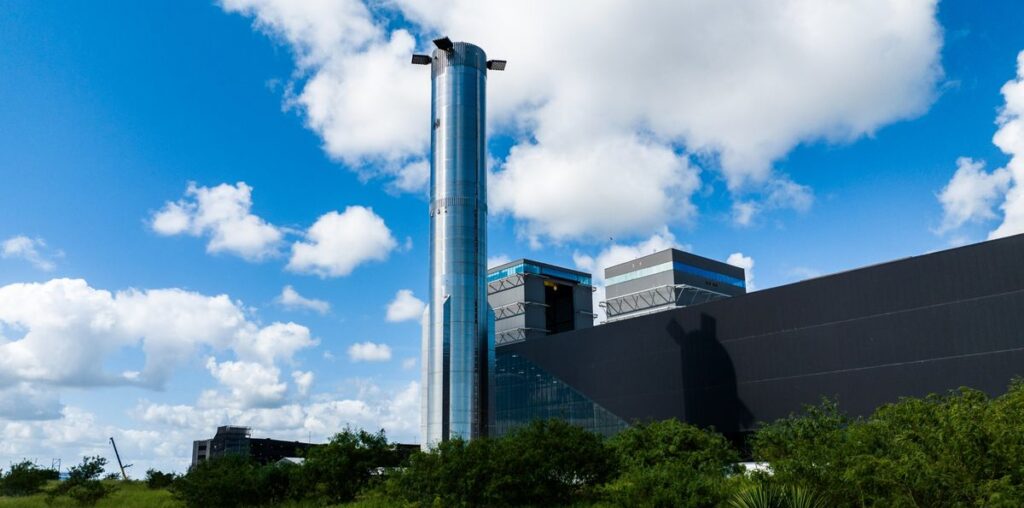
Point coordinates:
[(413, 177), (68, 331), (1010, 139), (159, 436), (23, 247), (359, 93), (274, 342), (973, 192), (339, 242), (290, 298), (405, 307), (224, 214), (595, 188), (303, 381), (737, 86), (369, 352), (252, 384), (396, 410)]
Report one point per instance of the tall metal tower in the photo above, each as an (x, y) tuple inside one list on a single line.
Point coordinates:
[(458, 348)]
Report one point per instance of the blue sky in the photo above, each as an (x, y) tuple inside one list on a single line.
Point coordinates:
[(756, 153)]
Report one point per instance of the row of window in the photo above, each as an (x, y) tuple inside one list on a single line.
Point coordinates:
[(539, 270)]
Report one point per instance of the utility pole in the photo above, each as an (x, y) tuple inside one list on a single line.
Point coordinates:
[(119, 464)]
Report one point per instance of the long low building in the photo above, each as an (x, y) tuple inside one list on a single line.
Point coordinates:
[(866, 337), (232, 440)]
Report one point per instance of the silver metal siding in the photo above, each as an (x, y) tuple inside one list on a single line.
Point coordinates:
[(456, 369)]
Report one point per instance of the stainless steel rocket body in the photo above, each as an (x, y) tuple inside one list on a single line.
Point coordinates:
[(455, 332)]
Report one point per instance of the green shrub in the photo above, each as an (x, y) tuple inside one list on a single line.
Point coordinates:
[(234, 480), (669, 463), (24, 479), (804, 449), (671, 441), (767, 495), (347, 465), (159, 480), (544, 463), (759, 495), (227, 482), (276, 483), (959, 449), (88, 493), (668, 484), (551, 462), (455, 473), (83, 484)]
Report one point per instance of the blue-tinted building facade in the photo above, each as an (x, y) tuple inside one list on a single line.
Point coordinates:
[(532, 300), (526, 392)]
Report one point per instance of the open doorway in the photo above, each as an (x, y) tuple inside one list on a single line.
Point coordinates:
[(559, 313)]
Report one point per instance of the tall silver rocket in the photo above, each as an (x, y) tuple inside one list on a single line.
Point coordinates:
[(458, 344)]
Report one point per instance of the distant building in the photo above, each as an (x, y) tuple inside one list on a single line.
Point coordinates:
[(666, 280), (231, 440), (532, 299)]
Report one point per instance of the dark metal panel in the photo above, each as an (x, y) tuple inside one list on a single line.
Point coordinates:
[(920, 325)]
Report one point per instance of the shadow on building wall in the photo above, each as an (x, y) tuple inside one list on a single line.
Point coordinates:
[(709, 397)]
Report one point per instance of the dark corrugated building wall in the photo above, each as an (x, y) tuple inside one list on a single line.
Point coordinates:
[(921, 325)]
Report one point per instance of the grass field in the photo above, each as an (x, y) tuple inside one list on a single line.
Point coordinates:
[(136, 495), (127, 495)]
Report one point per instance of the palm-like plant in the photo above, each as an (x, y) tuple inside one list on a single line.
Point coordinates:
[(768, 496)]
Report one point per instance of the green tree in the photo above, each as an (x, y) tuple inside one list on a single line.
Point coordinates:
[(544, 463), (347, 465), (1003, 484), (669, 463), (90, 469), (234, 480), (958, 449), (646, 445), (158, 479), (454, 473), (279, 482), (551, 462), (804, 449), (25, 479), (227, 482), (83, 484)]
